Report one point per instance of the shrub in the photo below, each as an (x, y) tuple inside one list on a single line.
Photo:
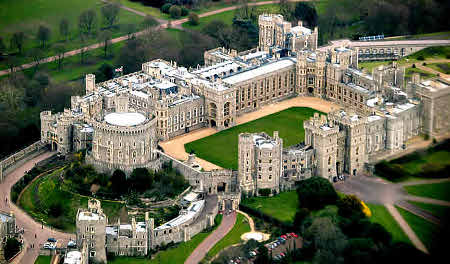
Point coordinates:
[(421, 58), (424, 64), (175, 11), (193, 19), (165, 8), (414, 66), (184, 11), (350, 205), (264, 192), (12, 247)]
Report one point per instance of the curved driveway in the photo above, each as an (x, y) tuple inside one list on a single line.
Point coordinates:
[(23, 220)]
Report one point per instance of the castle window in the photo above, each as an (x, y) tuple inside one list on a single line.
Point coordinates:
[(270, 161), (259, 176), (270, 168), (270, 177), (259, 161), (329, 160), (259, 168)]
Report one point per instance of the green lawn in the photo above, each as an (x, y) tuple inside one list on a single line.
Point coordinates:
[(382, 216), (222, 148), (439, 191), (434, 35), (442, 52), (441, 67), (233, 237), (27, 16), (282, 206), (423, 74), (369, 65), (227, 17), (439, 211), (45, 193), (177, 254), (425, 230), (43, 260)]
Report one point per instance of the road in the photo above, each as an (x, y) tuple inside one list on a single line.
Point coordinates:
[(174, 23), (201, 250), (379, 191), (23, 220)]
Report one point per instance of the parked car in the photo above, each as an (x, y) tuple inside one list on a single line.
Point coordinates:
[(71, 244), (51, 239)]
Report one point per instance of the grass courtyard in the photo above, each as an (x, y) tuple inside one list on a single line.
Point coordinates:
[(222, 148), (233, 237), (46, 201), (27, 16), (282, 206), (43, 260), (439, 191), (382, 216)]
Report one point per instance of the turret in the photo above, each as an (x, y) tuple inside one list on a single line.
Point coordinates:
[(90, 84)]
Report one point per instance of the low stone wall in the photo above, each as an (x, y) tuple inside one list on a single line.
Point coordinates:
[(11, 162), (188, 172)]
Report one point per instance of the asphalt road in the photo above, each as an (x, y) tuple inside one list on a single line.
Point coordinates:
[(24, 221)]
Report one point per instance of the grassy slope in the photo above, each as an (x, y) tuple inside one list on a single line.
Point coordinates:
[(439, 191), (425, 230), (41, 194), (26, 16), (436, 210), (438, 157), (441, 67), (233, 237), (227, 17), (382, 216), (423, 74), (222, 148), (43, 260), (282, 206)]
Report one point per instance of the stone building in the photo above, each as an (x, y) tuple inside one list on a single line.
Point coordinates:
[(7, 226), (259, 162), (91, 227)]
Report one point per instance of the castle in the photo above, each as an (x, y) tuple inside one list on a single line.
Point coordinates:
[(121, 121)]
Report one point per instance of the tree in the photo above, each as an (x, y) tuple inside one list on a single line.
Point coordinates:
[(175, 11), (325, 235), (149, 21), (130, 29), (17, 41), (287, 10), (110, 13), (307, 13), (83, 49), (37, 55), (43, 35), (105, 38), (104, 73), (2, 47), (60, 50), (350, 205), (315, 193), (12, 247), (140, 180), (87, 21), (165, 8), (119, 182), (300, 215), (193, 19), (64, 28)]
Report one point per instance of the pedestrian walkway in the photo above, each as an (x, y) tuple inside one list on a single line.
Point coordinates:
[(200, 252), (406, 228)]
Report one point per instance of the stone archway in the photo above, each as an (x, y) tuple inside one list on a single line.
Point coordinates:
[(310, 90), (212, 123), (221, 187), (212, 110)]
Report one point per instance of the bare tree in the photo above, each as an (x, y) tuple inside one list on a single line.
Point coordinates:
[(87, 21), (64, 28), (105, 38), (37, 55), (110, 14), (17, 41), (43, 35), (60, 50)]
